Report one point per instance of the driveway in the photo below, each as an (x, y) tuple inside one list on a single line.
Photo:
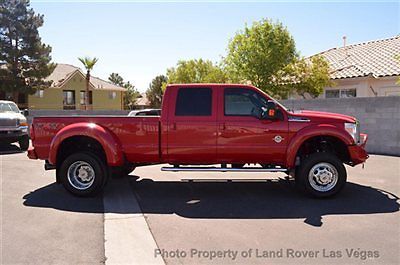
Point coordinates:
[(200, 218)]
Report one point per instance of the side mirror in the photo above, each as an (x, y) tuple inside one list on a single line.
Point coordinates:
[(25, 112), (270, 113)]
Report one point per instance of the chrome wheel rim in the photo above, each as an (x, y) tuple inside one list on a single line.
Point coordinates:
[(81, 175), (323, 177)]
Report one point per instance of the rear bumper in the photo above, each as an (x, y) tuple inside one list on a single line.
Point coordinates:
[(357, 153)]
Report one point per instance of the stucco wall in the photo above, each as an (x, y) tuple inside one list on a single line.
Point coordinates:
[(379, 118), (53, 97)]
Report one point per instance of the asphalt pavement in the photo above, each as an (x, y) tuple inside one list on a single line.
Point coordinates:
[(40, 222), (205, 218)]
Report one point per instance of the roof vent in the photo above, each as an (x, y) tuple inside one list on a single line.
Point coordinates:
[(344, 45)]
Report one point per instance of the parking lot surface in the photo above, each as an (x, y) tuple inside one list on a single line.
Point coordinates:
[(205, 218), (40, 222), (210, 216)]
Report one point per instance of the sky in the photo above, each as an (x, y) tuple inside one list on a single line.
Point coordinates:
[(140, 40)]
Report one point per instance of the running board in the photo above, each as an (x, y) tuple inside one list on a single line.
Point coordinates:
[(224, 169)]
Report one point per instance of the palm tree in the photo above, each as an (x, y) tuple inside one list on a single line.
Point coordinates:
[(88, 63)]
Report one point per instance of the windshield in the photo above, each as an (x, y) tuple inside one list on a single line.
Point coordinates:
[(8, 107)]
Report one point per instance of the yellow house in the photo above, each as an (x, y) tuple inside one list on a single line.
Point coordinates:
[(67, 91)]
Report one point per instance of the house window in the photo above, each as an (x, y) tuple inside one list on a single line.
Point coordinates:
[(39, 93), (332, 93), (341, 93), (69, 99), (193, 102), (348, 93), (112, 95), (82, 97)]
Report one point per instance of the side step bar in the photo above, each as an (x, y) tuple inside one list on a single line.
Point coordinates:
[(223, 169)]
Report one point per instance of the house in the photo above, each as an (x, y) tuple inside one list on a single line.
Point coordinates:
[(366, 69), (142, 102), (67, 91)]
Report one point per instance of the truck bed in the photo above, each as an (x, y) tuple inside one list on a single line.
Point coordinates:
[(140, 135)]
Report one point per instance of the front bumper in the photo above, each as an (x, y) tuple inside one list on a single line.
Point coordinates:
[(357, 153), (13, 134)]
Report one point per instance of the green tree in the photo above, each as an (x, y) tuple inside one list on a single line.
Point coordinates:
[(265, 55), (312, 76), (88, 63), (304, 76), (130, 95), (196, 71), (116, 79), (24, 59), (155, 91), (259, 52)]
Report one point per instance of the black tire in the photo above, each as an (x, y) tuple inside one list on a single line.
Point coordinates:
[(23, 143), (326, 163), (88, 188)]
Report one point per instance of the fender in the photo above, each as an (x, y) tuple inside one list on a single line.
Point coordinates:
[(311, 131), (109, 142)]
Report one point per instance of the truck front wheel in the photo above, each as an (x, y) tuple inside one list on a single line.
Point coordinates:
[(321, 175), (83, 174)]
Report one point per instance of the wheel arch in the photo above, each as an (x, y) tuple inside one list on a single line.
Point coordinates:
[(336, 137), (93, 135)]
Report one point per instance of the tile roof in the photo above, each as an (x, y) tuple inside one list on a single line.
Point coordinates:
[(375, 58), (143, 101), (63, 72)]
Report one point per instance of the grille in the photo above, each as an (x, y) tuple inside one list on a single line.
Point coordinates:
[(8, 122)]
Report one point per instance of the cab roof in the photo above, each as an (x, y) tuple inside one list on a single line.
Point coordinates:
[(211, 84)]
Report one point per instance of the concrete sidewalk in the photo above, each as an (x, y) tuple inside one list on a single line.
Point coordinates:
[(127, 238)]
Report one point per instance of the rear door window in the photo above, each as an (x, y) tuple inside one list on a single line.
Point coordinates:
[(194, 102)]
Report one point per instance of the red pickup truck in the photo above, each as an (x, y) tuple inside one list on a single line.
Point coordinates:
[(237, 126)]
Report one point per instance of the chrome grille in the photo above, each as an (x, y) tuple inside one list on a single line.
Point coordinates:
[(8, 122)]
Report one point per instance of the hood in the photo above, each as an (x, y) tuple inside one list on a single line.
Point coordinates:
[(11, 118), (316, 115)]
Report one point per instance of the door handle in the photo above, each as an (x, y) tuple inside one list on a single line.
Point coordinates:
[(174, 126), (222, 126)]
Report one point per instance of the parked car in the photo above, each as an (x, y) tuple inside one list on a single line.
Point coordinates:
[(13, 125), (203, 124), (145, 112)]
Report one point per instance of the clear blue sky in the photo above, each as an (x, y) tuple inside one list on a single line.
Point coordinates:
[(141, 40)]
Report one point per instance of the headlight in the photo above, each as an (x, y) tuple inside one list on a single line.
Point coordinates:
[(353, 130), (23, 125)]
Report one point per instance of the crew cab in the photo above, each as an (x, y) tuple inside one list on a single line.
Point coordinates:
[(236, 126)]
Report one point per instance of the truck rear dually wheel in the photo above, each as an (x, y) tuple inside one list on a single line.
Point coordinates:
[(321, 175), (83, 174)]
